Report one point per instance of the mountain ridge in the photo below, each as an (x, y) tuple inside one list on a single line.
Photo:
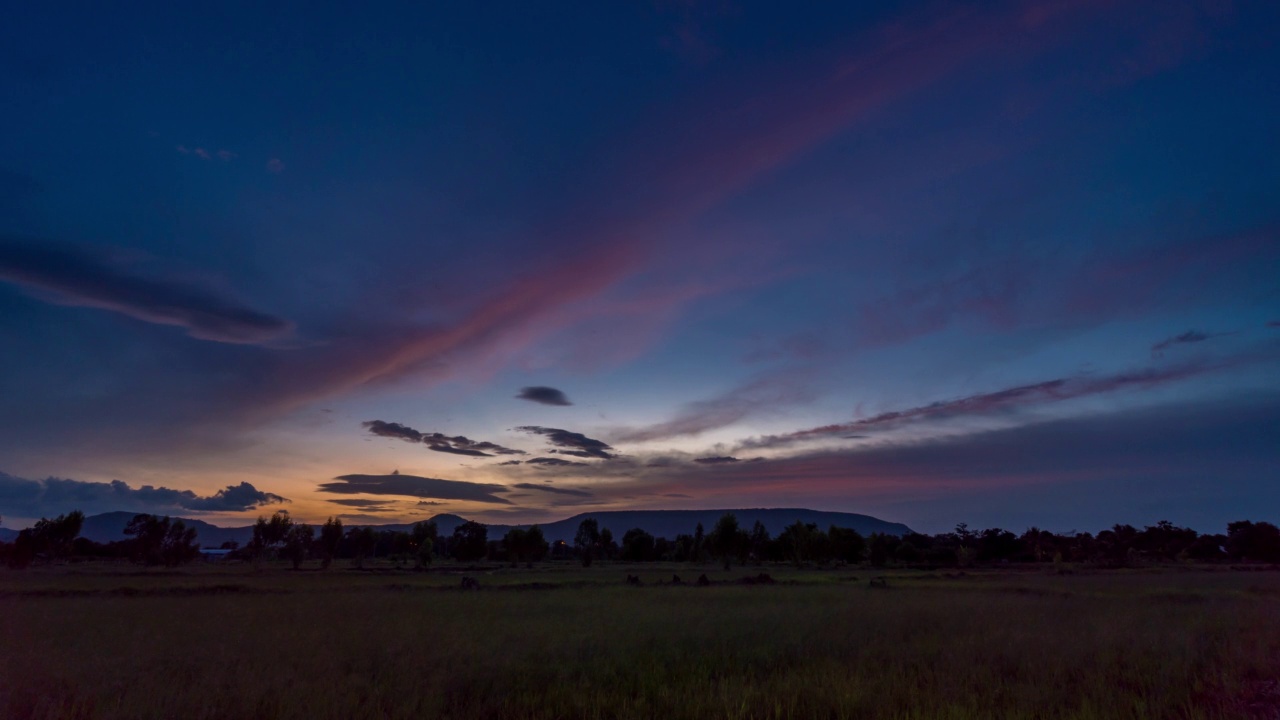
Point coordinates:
[(109, 527)]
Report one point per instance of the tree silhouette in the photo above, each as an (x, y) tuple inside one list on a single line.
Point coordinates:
[(727, 540), (297, 544), (268, 534), (470, 541), (637, 545), (587, 540), (424, 537), (330, 538), (847, 544), (363, 541)]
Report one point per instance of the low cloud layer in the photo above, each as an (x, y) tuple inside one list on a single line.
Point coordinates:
[(554, 462), (571, 443), (69, 276), (457, 445), (544, 395), (760, 396), (1187, 338), (53, 496), (552, 489), (414, 486), (461, 445), (1009, 399)]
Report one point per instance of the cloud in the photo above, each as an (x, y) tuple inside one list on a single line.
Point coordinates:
[(510, 462), (554, 462), (461, 445), (1008, 399), (544, 395), (457, 445), (73, 277), (226, 155), (53, 496), (1190, 336), (761, 395), (676, 495), (723, 144), (1274, 324), (414, 486), (552, 489), (275, 166), (235, 497), (1196, 463), (719, 460), (392, 430), (364, 503), (577, 444)]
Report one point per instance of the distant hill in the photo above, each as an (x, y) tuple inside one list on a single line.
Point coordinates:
[(109, 527), (669, 523), (7, 535)]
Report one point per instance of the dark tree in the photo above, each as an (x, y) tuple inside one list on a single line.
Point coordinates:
[(1257, 542), (363, 542), (728, 541), (996, 545), (297, 544), (881, 547), (470, 541), (759, 542), (847, 544), (804, 542), (158, 540), (425, 539), (637, 546), (330, 539), (587, 540), (535, 545), (699, 544), (269, 534), (608, 547), (55, 536)]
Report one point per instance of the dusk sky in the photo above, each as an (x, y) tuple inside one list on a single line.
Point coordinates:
[(1004, 263)]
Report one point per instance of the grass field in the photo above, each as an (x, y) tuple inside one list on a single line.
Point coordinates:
[(562, 642)]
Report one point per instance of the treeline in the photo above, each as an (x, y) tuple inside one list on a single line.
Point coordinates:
[(157, 540)]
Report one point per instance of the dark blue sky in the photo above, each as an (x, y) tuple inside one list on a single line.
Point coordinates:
[(1006, 263)]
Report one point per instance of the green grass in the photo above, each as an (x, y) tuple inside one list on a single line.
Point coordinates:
[(217, 642)]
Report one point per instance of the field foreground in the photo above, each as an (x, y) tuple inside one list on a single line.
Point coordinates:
[(561, 642)]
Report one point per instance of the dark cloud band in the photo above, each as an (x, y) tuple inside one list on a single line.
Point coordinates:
[(74, 277), (414, 486), (544, 395)]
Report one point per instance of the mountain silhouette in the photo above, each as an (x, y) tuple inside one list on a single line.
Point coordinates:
[(108, 527)]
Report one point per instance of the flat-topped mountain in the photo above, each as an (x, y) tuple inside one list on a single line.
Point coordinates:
[(108, 527)]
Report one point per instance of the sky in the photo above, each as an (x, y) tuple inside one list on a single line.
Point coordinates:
[(1011, 263)]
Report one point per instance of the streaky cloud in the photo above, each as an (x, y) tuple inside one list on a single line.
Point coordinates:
[(760, 395), (1186, 338), (439, 442), (554, 462), (462, 445), (552, 489), (1008, 399), (415, 486), (66, 275), (571, 443), (392, 430)]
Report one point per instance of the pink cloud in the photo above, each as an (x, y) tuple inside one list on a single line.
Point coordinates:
[(274, 165), (1008, 399)]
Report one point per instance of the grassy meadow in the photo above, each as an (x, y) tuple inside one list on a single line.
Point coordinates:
[(559, 641)]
